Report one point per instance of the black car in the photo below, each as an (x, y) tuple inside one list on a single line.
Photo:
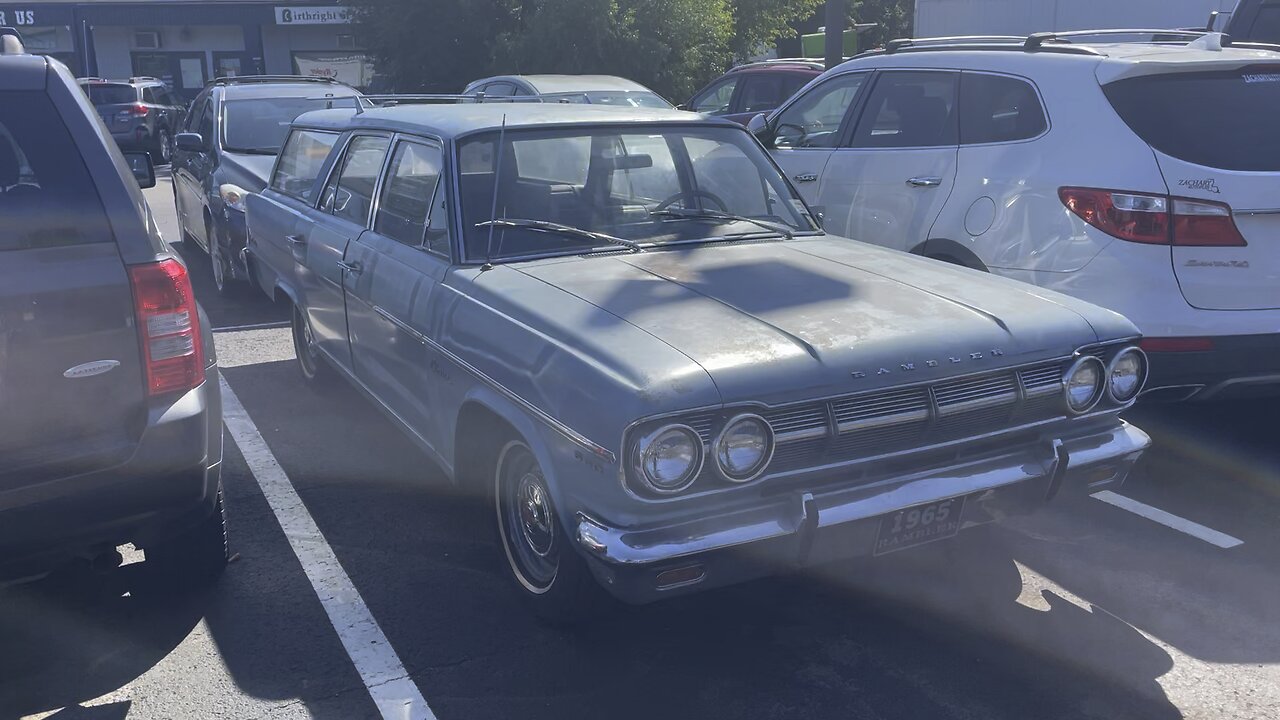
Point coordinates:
[(141, 113), (227, 149), (111, 430)]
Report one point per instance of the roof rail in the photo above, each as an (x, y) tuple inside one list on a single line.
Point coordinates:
[(143, 78), (1035, 41), (394, 99), (808, 62), (11, 42), (1248, 45), (902, 43), (250, 79)]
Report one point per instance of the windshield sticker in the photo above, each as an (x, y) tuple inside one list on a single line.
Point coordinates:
[(1207, 185), (1261, 77)]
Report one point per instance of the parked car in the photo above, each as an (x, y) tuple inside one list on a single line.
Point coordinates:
[(141, 113), (626, 331), (976, 158), (748, 90), (112, 429), (582, 89), (226, 150), (1255, 21)]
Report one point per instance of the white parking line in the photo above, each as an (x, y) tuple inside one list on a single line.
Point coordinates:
[(1181, 524), (256, 326), (384, 676)]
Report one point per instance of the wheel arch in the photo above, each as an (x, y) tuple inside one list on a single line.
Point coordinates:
[(950, 251), (485, 421)]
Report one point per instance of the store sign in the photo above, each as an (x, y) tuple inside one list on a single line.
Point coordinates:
[(313, 15), (17, 18), (353, 69)]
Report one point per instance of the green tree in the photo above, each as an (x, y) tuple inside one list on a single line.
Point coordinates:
[(759, 23), (894, 17)]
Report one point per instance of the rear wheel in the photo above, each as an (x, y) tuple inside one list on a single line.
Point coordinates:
[(547, 571), (197, 556), (310, 363)]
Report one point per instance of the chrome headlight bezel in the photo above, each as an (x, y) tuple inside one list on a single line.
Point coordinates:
[(1099, 387), (647, 442), (1143, 369), (766, 457)]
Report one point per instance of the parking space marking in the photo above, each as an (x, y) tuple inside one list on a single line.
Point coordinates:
[(256, 326), (384, 675), (1181, 524)]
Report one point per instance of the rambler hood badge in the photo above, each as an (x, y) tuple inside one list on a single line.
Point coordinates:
[(912, 366), (89, 369)]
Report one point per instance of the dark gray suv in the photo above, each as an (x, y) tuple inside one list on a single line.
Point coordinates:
[(111, 427), (141, 113)]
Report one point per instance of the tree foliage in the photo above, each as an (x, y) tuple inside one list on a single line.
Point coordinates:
[(894, 17), (673, 46)]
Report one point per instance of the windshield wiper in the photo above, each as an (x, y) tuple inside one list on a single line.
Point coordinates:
[(561, 230), (778, 228)]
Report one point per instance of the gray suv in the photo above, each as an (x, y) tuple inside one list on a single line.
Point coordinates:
[(141, 113), (111, 431)]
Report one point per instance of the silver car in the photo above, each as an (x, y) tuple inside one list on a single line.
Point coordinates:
[(625, 331)]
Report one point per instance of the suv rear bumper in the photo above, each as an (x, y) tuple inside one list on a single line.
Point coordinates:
[(168, 484), (1238, 366), (806, 528)]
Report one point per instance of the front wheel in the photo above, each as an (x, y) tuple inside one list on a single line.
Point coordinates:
[(223, 280), (546, 570), (162, 152), (310, 364)]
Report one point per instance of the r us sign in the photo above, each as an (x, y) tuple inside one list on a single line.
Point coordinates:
[(17, 17)]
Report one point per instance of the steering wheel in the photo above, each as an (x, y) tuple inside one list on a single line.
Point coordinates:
[(689, 195)]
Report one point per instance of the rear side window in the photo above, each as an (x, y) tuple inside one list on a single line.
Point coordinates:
[(1221, 119), (301, 161), (910, 109), (715, 100), (995, 109), (47, 198), (1266, 27)]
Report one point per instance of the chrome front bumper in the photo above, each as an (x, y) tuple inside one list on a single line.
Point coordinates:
[(793, 526)]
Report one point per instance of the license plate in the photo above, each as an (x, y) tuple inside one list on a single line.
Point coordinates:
[(919, 525)]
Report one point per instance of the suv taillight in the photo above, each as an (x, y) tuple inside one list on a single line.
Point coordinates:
[(169, 325), (1154, 219)]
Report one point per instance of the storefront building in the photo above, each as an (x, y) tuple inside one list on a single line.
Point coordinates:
[(186, 43)]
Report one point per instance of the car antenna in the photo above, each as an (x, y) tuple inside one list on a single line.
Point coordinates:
[(493, 208)]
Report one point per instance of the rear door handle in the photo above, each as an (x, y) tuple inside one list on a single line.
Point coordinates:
[(806, 177), (353, 267), (296, 239), (924, 181)]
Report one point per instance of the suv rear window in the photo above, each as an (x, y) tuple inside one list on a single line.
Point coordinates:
[(47, 197), (1222, 119), (112, 94)]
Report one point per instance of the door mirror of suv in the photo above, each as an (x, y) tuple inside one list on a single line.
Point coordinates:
[(143, 170), (759, 126), (190, 142)]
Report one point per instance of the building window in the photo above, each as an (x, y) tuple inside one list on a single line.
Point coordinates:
[(347, 41)]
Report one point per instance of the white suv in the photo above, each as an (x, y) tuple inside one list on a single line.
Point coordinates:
[(1141, 176)]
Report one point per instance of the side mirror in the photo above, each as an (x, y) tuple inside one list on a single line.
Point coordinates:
[(759, 126), (143, 171), (190, 142)]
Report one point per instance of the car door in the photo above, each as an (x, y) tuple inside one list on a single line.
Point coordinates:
[(343, 213), (188, 168), (890, 182), (804, 134), (403, 258)]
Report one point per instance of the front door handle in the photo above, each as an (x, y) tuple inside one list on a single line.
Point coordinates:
[(925, 181), (806, 177), (296, 239), (354, 268)]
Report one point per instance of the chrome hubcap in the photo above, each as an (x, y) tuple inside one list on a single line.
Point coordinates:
[(527, 520), (535, 516)]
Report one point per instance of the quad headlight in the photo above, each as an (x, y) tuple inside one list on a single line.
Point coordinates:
[(744, 448), (669, 458), (1126, 374), (1083, 384)]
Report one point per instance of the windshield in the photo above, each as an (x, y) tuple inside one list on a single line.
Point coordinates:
[(661, 185), (112, 94), (260, 126)]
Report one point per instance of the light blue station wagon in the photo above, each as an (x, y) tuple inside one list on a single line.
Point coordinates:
[(625, 332)]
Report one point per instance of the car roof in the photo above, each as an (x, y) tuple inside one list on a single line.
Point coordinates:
[(814, 67), (286, 89), (451, 121), (22, 72), (551, 84)]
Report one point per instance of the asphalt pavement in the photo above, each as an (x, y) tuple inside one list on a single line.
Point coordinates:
[(1158, 602)]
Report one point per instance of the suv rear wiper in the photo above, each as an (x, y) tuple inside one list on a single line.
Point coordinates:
[(782, 230), (561, 230)]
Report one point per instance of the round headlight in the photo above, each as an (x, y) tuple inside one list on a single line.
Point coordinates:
[(744, 448), (669, 458), (1084, 384), (1126, 374)]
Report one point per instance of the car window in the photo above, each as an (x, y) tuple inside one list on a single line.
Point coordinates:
[(559, 160), (760, 92), (259, 126), (791, 84), (996, 108), (351, 196), (715, 99), (910, 109), (1231, 124), (300, 162), (193, 118), (149, 96), (163, 97), (407, 195), (499, 90), (112, 94), (814, 120), (1266, 27), (205, 126), (47, 197)]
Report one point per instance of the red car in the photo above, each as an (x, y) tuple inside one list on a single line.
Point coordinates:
[(754, 88)]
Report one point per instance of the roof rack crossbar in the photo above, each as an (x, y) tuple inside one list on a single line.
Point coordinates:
[(249, 79)]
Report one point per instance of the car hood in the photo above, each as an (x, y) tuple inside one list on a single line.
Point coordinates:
[(249, 171), (783, 321)]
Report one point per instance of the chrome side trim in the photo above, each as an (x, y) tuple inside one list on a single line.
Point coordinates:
[(798, 435)]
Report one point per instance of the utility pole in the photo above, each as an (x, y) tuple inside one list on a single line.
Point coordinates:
[(834, 39)]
